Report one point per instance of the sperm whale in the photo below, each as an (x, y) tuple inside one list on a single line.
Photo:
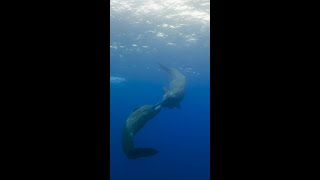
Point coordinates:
[(136, 120), (174, 94)]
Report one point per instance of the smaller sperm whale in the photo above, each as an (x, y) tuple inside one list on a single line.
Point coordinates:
[(175, 93)]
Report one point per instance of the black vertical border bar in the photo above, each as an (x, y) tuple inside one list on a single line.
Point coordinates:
[(103, 88), (216, 53)]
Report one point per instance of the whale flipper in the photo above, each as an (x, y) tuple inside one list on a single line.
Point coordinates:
[(141, 152)]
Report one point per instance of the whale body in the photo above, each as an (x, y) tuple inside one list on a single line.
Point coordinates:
[(136, 120), (174, 94)]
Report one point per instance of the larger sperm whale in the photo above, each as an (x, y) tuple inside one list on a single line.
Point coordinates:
[(174, 94), (136, 120)]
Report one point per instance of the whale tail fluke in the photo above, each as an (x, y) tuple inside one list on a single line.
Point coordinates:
[(163, 67), (141, 152), (129, 149)]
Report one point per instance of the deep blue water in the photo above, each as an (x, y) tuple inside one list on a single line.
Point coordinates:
[(181, 135)]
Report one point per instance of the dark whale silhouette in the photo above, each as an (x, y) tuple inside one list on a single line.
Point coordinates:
[(136, 120), (175, 93)]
